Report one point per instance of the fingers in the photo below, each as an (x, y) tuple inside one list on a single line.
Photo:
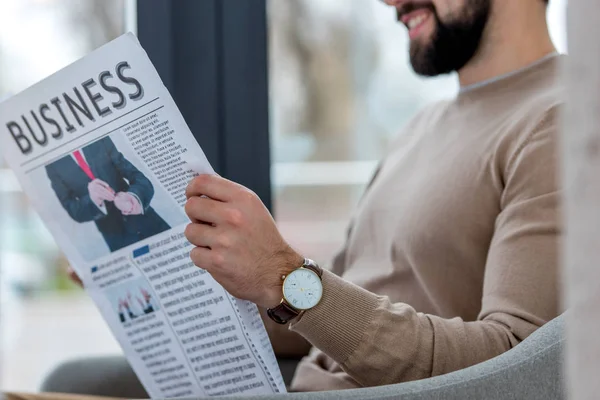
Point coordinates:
[(122, 199), (201, 257), (122, 203), (102, 183), (105, 193), (134, 209), (105, 185), (74, 277), (201, 235), (102, 190), (125, 198), (202, 209), (212, 186), (207, 259), (128, 204), (120, 196)]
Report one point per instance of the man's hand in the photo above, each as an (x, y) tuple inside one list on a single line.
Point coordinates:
[(128, 204), (74, 277), (237, 240), (100, 192)]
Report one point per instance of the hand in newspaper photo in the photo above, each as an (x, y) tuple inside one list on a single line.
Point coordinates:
[(98, 184), (128, 204), (100, 192)]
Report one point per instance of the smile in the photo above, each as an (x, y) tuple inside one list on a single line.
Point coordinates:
[(415, 21)]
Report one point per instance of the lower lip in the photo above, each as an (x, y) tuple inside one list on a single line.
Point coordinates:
[(416, 31)]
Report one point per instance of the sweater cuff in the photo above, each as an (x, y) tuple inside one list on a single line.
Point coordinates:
[(337, 325)]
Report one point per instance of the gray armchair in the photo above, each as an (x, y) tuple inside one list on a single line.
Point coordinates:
[(532, 370)]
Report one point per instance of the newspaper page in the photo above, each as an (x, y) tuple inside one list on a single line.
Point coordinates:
[(105, 156)]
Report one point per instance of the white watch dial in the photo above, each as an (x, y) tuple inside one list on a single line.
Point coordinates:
[(302, 289)]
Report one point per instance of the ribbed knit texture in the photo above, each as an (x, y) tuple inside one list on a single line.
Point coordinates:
[(454, 243), (352, 320)]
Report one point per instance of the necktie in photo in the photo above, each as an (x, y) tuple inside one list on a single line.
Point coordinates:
[(83, 165)]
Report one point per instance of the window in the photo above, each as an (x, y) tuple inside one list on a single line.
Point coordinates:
[(38, 37)]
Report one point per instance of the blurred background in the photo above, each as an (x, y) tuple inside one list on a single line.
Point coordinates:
[(340, 88)]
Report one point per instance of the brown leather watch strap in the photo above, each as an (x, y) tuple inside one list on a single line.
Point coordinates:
[(313, 266), (282, 314)]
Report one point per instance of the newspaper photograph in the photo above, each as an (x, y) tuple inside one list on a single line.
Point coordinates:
[(105, 156)]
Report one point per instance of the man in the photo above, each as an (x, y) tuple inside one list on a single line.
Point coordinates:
[(451, 258), (98, 184), (452, 255)]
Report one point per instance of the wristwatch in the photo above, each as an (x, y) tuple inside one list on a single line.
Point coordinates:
[(302, 290)]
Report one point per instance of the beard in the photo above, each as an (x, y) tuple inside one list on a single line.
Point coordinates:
[(453, 43)]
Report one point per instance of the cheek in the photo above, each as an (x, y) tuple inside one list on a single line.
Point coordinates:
[(453, 5), (443, 6), (449, 9)]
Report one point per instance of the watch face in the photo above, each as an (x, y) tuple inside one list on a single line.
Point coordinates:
[(302, 289)]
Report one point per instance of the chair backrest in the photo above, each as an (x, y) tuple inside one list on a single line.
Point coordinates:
[(532, 370)]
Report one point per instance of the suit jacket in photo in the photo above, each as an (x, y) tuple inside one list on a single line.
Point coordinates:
[(70, 183)]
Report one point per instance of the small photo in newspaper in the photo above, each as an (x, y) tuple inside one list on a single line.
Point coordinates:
[(104, 197), (132, 300)]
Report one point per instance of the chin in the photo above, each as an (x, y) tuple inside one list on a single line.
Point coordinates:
[(421, 43), (419, 48)]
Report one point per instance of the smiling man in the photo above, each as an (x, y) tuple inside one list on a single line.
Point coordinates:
[(451, 258)]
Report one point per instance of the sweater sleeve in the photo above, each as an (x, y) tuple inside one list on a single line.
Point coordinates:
[(377, 342)]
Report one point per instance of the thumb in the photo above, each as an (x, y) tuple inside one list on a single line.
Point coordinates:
[(74, 277)]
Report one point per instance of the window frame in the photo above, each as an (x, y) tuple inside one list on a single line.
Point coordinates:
[(212, 56)]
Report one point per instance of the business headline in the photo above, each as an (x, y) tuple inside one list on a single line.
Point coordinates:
[(67, 113)]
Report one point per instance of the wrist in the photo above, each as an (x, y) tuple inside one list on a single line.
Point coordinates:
[(286, 264)]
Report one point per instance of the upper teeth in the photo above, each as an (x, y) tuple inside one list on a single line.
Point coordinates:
[(413, 22)]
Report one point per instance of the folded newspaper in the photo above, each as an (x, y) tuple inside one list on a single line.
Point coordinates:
[(105, 156)]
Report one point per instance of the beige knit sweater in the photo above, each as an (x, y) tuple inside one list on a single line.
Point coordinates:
[(451, 258)]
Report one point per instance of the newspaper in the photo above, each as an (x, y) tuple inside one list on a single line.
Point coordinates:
[(105, 156)]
